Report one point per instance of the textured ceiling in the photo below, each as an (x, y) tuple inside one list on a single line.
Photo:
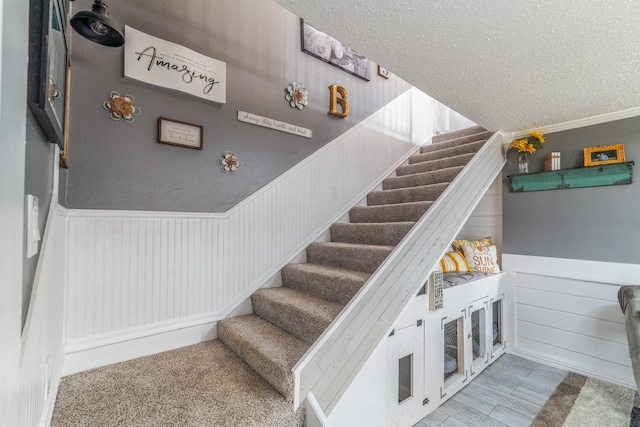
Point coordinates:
[(505, 64)]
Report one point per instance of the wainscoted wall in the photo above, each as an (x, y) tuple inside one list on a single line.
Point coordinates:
[(136, 275), (42, 337), (569, 251), (567, 314)]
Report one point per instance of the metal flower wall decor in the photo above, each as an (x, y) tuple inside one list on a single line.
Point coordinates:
[(297, 95), (121, 107), (230, 162)]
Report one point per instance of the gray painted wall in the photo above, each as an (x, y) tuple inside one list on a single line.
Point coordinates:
[(598, 223), (39, 164), (115, 165)]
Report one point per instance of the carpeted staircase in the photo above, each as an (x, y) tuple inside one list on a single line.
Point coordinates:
[(288, 319), (245, 377)]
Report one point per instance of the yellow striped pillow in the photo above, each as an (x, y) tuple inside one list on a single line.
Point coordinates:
[(458, 244), (454, 261)]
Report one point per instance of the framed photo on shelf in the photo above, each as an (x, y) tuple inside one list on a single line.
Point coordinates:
[(604, 155), (182, 134), (48, 64)]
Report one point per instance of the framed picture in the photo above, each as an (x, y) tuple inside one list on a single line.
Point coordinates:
[(48, 62), (383, 72), (182, 134), (604, 155), (326, 48)]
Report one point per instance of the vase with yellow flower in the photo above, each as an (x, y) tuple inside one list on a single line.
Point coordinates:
[(525, 146)]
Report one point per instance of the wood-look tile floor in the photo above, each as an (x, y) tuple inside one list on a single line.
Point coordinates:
[(510, 392)]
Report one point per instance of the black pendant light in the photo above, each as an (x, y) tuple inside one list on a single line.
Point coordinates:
[(97, 26)]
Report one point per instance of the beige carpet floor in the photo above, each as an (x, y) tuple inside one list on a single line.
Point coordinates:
[(201, 385)]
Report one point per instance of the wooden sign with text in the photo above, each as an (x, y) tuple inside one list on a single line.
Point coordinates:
[(171, 66)]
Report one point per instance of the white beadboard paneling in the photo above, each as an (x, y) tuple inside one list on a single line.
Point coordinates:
[(567, 314), (136, 273), (42, 337)]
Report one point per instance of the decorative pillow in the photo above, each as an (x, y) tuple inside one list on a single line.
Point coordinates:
[(458, 244), (482, 258), (454, 261)]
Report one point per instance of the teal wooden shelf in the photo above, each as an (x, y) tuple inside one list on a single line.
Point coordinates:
[(592, 176)]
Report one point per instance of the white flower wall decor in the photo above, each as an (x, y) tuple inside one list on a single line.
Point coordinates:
[(230, 162), (297, 95)]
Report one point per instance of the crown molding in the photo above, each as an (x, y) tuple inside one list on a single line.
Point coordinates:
[(580, 123)]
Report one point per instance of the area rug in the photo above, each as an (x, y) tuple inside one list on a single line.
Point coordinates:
[(579, 401)]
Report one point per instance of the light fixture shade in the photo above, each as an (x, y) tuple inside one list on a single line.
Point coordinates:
[(97, 26)]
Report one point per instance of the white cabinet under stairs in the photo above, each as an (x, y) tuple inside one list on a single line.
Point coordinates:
[(330, 367), (431, 355), (410, 365)]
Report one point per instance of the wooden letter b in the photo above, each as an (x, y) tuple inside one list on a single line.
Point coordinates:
[(334, 89)]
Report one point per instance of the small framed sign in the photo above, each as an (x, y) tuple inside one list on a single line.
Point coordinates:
[(436, 282), (383, 72), (182, 134)]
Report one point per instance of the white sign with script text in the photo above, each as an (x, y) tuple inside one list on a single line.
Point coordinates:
[(169, 65), (266, 122)]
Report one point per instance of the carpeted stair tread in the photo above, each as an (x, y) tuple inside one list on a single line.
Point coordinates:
[(302, 315), (205, 384), (405, 195), (472, 147), (388, 233), (248, 379), (457, 133), (433, 165), (268, 349), (455, 142), (333, 284), (420, 179), (399, 212), (349, 256)]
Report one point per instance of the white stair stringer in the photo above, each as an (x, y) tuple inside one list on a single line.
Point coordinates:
[(327, 369)]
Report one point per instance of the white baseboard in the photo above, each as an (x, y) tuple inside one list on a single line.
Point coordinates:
[(573, 367), (89, 357), (50, 402)]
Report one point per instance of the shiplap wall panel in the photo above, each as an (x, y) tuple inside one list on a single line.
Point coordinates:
[(576, 304), (567, 314), (584, 325), (577, 362), (486, 219), (595, 290), (589, 344), (131, 272)]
